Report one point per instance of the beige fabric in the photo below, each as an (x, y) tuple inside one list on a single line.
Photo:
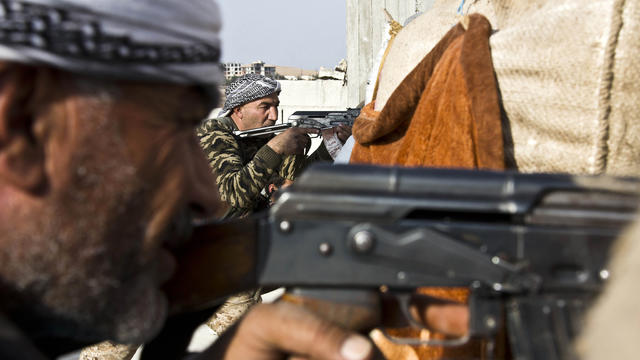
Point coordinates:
[(108, 351), (232, 310), (569, 82), (614, 322)]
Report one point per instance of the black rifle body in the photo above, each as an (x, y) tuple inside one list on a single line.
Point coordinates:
[(533, 249)]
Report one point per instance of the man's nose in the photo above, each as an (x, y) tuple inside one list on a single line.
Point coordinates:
[(201, 191), (273, 114)]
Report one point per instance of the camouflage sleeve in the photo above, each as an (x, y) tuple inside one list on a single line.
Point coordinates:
[(292, 166), (239, 185)]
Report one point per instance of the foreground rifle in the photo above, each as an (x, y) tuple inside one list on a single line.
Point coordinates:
[(531, 248), (319, 120)]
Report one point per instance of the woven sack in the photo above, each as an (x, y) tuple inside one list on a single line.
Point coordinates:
[(567, 73)]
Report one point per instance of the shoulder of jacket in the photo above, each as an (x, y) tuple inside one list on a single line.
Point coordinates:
[(224, 124)]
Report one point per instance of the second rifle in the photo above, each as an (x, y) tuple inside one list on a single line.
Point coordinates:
[(319, 120)]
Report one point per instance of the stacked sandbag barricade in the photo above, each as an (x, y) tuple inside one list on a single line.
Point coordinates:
[(569, 90), (567, 76)]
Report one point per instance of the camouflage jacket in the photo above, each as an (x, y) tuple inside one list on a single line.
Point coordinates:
[(244, 167)]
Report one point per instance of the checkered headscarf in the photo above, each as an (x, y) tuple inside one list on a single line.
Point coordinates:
[(248, 88), (147, 40)]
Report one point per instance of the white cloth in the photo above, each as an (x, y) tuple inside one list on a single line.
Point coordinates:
[(344, 156), (158, 40), (331, 142)]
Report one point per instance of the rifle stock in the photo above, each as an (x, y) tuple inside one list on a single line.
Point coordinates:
[(220, 260)]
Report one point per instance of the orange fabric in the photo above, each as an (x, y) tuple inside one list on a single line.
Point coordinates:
[(474, 349), (457, 295), (445, 113)]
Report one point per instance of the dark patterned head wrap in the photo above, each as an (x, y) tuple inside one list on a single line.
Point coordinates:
[(246, 89), (151, 40)]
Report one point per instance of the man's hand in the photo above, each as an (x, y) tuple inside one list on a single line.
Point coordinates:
[(292, 141), (441, 316), (446, 318), (281, 330), (343, 132)]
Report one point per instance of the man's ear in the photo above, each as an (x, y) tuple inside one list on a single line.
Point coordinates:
[(237, 111), (21, 154), (236, 115)]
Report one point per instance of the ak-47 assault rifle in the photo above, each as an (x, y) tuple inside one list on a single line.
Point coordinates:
[(531, 248), (319, 120)]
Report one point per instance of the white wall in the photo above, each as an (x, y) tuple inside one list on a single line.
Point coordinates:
[(365, 26), (311, 95), (306, 95)]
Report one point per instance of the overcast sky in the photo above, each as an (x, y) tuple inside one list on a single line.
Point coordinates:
[(300, 33)]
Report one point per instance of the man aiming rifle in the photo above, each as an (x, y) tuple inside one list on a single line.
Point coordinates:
[(244, 165)]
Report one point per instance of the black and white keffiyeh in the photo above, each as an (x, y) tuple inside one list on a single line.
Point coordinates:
[(152, 40), (248, 88)]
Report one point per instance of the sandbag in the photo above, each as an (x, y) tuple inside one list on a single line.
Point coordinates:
[(566, 72)]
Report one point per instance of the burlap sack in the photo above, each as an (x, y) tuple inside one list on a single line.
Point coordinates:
[(567, 74)]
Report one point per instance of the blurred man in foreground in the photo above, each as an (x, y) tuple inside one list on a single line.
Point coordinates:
[(99, 172)]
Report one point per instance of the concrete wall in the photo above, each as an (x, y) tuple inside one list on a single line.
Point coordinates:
[(365, 26), (305, 95), (311, 95)]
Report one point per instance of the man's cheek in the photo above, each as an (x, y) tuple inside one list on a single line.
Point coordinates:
[(155, 155), (165, 182), (148, 143)]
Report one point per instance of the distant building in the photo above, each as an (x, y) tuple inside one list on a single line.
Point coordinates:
[(234, 69), (259, 67)]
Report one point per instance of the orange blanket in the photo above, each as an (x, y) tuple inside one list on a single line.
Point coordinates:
[(445, 113)]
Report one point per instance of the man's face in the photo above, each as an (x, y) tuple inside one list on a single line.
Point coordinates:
[(86, 257), (258, 113)]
